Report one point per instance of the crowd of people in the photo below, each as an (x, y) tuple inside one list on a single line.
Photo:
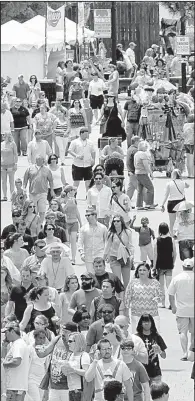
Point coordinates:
[(97, 335)]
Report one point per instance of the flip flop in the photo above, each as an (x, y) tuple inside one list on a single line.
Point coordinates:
[(184, 358)]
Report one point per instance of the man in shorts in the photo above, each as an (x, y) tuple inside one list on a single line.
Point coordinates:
[(83, 152), (182, 287), (39, 176)]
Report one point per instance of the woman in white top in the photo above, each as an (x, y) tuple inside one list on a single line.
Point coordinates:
[(112, 150), (58, 175), (99, 196), (95, 94), (175, 193), (40, 322), (13, 244), (60, 72), (35, 89), (62, 131), (76, 366), (120, 202), (71, 285)]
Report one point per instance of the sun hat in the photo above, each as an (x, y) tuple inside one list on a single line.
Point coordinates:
[(188, 262)]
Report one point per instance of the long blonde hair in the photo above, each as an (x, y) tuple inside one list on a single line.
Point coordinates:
[(80, 342)]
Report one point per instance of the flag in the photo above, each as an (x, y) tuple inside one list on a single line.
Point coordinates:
[(55, 19), (81, 16)]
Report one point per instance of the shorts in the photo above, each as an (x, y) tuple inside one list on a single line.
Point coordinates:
[(9, 168), (75, 133), (73, 227), (186, 249), (171, 204), (146, 251), (15, 395), (185, 324), (81, 173), (189, 149), (165, 272), (57, 192), (75, 395), (40, 202), (96, 102)]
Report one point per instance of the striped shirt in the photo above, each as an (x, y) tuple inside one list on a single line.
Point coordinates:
[(61, 128)]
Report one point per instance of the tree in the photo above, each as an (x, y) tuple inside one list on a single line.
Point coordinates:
[(22, 11), (184, 7)]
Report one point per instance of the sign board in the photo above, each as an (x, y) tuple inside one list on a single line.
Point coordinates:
[(70, 54), (102, 23), (183, 45)]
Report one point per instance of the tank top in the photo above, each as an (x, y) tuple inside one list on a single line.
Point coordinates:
[(61, 128), (76, 119), (57, 180), (49, 313), (164, 253), (76, 94), (71, 212)]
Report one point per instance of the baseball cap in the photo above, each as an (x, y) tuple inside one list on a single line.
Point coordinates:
[(154, 46), (9, 326), (69, 188), (20, 76), (76, 79), (132, 43), (188, 262), (87, 275), (40, 241), (50, 214), (90, 210)]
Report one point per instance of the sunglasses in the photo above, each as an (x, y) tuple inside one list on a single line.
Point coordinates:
[(15, 215), (71, 341), (105, 334), (31, 206), (40, 246), (123, 347), (50, 229), (99, 169), (53, 158), (116, 221), (98, 179), (107, 311)]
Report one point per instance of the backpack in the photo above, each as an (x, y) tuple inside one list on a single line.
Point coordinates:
[(102, 375), (133, 112)]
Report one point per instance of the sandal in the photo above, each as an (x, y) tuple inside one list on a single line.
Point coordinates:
[(4, 199), (184, 358)]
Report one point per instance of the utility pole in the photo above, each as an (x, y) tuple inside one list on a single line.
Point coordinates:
[(113, 30), (183, 63)]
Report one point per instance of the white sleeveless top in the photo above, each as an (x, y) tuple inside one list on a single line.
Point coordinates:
[(57, 181)]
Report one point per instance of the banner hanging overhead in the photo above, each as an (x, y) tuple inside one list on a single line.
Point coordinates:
[(81, 15), (55, 19), (102, 23)]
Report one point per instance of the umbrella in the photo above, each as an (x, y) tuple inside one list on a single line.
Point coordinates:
[(184, 205)]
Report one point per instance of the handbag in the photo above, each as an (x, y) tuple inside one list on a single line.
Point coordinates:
[(120, 239), (44, 385)]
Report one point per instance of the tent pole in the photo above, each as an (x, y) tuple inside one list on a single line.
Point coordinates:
[(65, 31), (45, 58)]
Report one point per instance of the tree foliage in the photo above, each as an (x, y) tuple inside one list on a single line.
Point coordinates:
[(186, 7), (22, 11)]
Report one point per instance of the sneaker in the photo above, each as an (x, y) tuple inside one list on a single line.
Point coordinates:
[(141, 208), (62, 164), (24, 154), (4, 199), (151, 206)]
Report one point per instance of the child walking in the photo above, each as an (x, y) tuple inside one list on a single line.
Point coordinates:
[(18, 197), (145, 239)]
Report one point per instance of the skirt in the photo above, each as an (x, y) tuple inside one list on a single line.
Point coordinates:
[(171, 204)]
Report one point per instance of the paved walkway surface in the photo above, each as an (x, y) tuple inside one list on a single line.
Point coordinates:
[(175, 372)]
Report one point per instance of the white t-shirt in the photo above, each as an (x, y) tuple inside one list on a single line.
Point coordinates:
[(97, 88), (17, 378), (123, 374), (82, 148), (74, 380), (182, 286), (6, 119), (35, 148)]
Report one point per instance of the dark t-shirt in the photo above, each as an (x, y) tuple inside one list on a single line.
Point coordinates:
[(133, 111), (139, 376), (119, 287), (153, 367), (19, 116), (11, 229), (21, 90), (57, 379), (17, 296), (98, 301), (59, 232)]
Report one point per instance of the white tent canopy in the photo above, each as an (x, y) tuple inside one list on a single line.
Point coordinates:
[(37, 25), (32, 34)]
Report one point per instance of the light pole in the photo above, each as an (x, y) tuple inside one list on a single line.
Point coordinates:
[(113, 30), (183, 63)]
